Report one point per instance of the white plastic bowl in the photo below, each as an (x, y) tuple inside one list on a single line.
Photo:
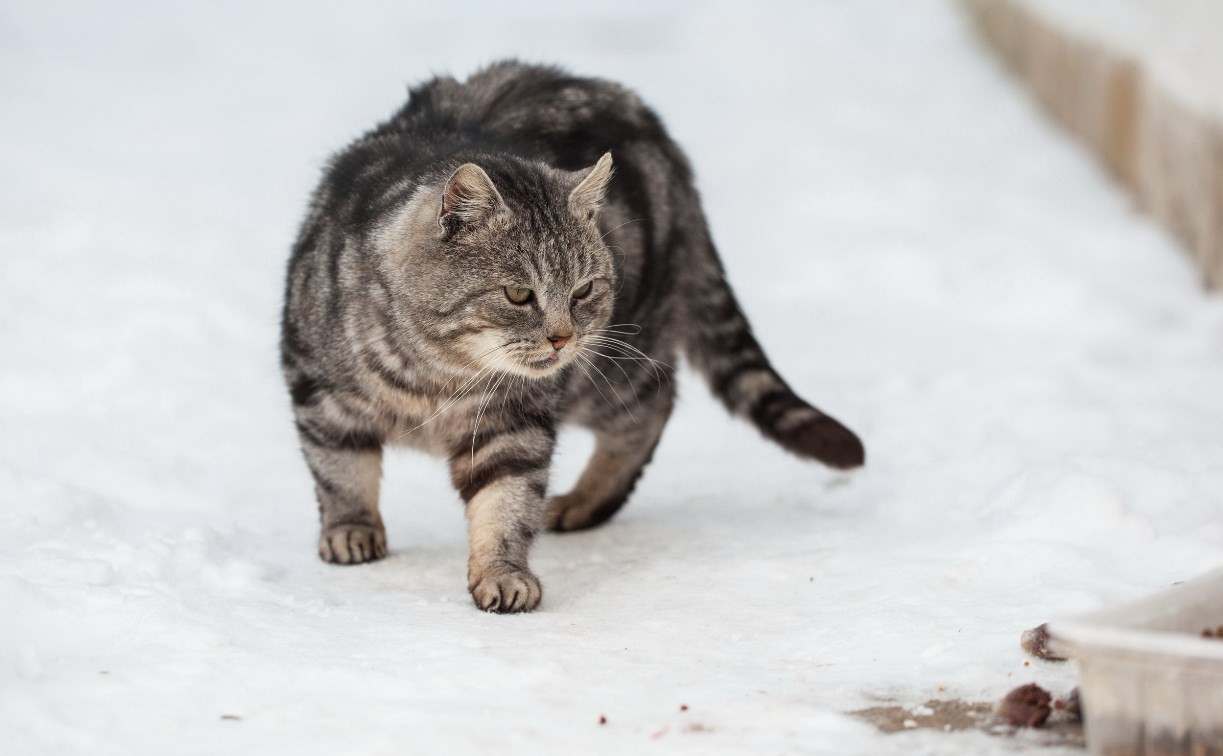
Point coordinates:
[(1149, 682)]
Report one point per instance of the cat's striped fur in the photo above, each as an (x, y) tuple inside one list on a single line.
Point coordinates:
[(398, 326)]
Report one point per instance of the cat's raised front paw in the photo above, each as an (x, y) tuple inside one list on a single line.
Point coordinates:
[(506, 592), (352, 544)]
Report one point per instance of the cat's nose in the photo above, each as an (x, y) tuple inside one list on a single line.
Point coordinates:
[(559, 341)]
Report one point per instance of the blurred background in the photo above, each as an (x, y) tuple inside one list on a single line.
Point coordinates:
[(1141, 84), (1008, 307)]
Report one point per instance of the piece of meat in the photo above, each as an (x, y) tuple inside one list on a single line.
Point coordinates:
[(1036, 643), (1025, 706)]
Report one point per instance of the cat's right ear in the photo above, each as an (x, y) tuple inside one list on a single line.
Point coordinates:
[(469, 197)]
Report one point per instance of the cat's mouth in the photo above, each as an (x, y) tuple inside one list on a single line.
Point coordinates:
[(547, 363), (540, 366), (540, 361)]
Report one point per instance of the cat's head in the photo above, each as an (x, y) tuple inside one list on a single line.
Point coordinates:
[(520, 278)]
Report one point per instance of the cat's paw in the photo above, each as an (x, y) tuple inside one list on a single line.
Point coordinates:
[(505, 592), (352, 544), (570, 512)]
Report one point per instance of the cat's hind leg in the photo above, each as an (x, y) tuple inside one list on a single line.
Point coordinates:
[(623, 448)]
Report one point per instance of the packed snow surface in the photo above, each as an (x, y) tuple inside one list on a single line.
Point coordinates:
[(1034, 369)]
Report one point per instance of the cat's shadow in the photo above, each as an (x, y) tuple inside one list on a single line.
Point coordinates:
[(666, 540)]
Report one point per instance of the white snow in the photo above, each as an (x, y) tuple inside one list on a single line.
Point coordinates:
[(1032, 365)]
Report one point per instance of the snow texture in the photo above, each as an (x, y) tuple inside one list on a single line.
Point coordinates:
[(1032, 365)]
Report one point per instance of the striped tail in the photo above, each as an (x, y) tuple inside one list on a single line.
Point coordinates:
[(722, 347)]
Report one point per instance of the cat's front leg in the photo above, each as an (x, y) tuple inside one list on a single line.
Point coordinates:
[(502, 475), (347, 467)]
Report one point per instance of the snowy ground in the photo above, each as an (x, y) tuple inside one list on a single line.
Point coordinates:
[(1032, 365)]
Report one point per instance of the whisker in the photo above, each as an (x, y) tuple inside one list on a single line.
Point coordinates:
[(585, 359), (596, 385), (654, 371), (618, 349), (630, 352), (455, 373), (622, 225), (621, 357), (627, 349), (475, 430), (611, 329), (616, 362), (625, 345), (459, 394)]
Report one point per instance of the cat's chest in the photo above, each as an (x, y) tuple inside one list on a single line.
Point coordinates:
[(439, 432), (437, 421)]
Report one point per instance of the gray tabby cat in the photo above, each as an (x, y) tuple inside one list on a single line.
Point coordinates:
[(470, 276)]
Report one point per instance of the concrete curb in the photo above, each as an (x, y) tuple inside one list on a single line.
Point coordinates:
[(1167, 154)]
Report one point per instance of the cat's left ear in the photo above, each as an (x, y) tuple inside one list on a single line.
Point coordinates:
[(587, 197), (469, 197)]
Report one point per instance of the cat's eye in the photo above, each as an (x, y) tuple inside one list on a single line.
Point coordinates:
[(583, 291), (518, 294)]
